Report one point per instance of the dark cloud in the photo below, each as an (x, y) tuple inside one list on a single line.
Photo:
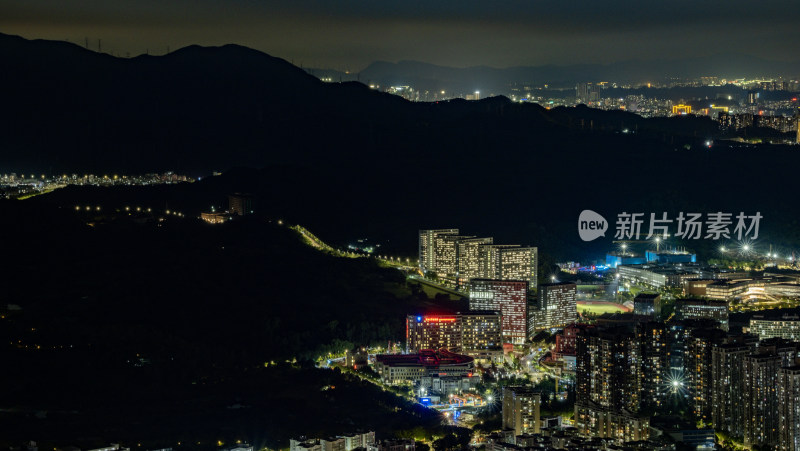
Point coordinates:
[(350, 34)]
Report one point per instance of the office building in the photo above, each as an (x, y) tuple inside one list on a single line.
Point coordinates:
[(521, 410), (687, 309), (510, 298), (655, 276), (697, 287), (647, 304), (736, 289), (640, 275), (783, 290), (787, 327)]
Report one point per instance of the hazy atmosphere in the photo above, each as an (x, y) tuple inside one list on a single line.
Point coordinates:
[(348, 35)]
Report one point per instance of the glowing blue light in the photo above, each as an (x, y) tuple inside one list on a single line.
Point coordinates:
[(419, 319)]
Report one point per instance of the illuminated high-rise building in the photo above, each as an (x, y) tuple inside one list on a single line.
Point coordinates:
[(469, 259), (489, 256), (556, 306), (429, 240), (760, 372), (445, 255), (509, 262), (789, 408), (652, 338), (476, 334), (433, 332), (455, 259), (481, 335), (521, 410), (519, 263), (510, 298), (697, 360), (727, 388), (608, 368)]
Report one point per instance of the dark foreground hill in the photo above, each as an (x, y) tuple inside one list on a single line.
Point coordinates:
[(349, 162), (67, 109), (133, 329)]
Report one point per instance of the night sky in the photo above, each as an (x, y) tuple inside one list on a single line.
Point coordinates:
[(349, 34)]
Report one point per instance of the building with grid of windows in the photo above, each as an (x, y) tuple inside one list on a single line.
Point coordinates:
[(555, 307), (469, 258), (699, 309), (594, 420), (652, 339), (510, 298), (475, 334), (608, 368), (727, 387), (787, 327), (760, 372), (789, 408), (429, 241), (521, 410), (455, 258)]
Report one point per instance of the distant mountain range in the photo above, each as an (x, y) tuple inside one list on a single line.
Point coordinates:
[(488, 80), (350, 162), (196, 109)]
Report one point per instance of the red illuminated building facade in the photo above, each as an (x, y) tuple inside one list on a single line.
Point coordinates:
[(565, 342), (510, 298)]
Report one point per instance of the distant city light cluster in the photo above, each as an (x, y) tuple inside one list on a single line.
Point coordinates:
[(22, 186)]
